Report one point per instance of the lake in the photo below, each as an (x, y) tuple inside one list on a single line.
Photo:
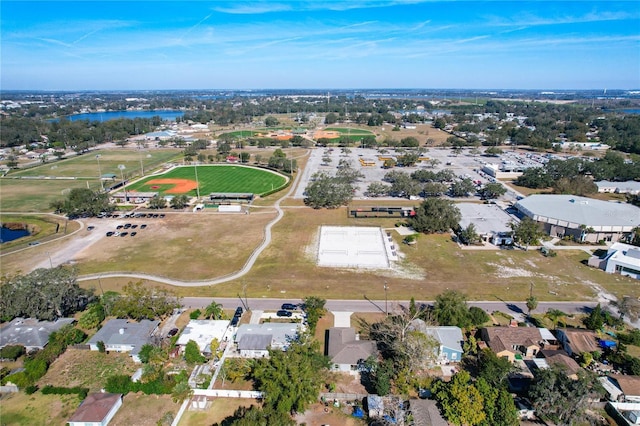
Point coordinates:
[(7, 234), (164, 114)]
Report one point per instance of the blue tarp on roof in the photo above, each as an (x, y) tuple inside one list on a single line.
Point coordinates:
[(607, 344)]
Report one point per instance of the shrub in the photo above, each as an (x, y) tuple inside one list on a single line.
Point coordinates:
[(12, 352), (31, 389), (120, 383), (195, 314), (60, 390)]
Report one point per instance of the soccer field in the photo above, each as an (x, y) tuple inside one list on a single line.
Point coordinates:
[(213, 178)]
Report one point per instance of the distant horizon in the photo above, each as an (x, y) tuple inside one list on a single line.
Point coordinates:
[(239, 45), (324, 90)]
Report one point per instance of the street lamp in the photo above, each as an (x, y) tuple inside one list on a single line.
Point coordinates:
[(122, 167), (141, 166), (50, 262), (100, 172)]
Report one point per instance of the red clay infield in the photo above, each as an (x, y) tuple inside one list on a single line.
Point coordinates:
[(181, 186)]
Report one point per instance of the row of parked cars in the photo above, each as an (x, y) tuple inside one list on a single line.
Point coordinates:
[(126, 229), (130, 215), (286, 310)]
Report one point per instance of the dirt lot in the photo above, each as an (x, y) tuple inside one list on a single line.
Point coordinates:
[(139, 409)]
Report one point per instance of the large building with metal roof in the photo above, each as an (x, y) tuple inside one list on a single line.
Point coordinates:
[(583, 219)]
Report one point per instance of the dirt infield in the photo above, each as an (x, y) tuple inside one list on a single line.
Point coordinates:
[(182, 186), (331, 134)]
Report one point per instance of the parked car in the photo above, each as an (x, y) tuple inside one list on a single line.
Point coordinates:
[(124, 234), (238, 312), (235, 321), (110, 233), (133, 234), (144, 225), (172, 332), (91, 228), (283, 313), (289, 307)]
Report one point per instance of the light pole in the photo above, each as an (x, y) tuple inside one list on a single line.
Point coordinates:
[(100, 172), (122, 167), (386, 308), (141, 166), (197, 181), (50, 262)]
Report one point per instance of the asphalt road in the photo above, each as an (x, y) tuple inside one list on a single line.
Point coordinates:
[(511, 308)]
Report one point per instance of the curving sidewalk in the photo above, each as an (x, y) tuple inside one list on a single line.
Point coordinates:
[(219, 280)]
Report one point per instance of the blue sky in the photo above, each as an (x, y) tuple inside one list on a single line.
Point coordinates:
[(113, 45)]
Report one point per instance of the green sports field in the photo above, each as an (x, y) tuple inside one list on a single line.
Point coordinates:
[(215, 178)]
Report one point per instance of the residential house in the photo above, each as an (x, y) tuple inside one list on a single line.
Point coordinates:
[(203, 332), (121, 335), (622, 388), (516, 342), (346, 350), (96, 410), (557, 358), (254, 340), (623, 259), (30, 333), (450, 340), (576, 341), (425, 413)]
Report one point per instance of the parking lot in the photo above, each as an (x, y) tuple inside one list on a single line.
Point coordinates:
[(463, 165)]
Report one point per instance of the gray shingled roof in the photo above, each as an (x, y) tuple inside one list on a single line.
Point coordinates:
[(135, 334), (281, 332), (255, 342), (30, 332), (425, 413), (343, 348), (579, 211)]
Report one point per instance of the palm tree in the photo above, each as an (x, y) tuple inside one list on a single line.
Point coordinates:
[(532, 304), (214, 311), (555, 315)]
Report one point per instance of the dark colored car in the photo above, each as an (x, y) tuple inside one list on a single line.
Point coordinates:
[(289, 307), (283, 313), (235, 321), (238, 312), (161, 215), (90, 228), (127, 226), (172, 332), (124, 234), (133, 234), (119, 227), (134, 226), (110, 233)]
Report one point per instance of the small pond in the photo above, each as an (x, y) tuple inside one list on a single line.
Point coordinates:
[(7, 234)]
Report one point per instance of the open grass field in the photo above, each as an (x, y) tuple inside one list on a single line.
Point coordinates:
[(220, 409), (145, 410), (214, 178), (353, 131), (86, 166), (33, 189), (22, 195)]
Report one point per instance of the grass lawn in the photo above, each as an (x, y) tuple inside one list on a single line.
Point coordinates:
[(21, 195), (19, 409), (144, 410), (216, 178), (220, 409)]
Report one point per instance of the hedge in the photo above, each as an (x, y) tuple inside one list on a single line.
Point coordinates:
[(60, 390)]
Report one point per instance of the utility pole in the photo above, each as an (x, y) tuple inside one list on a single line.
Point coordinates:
[(386, 306)]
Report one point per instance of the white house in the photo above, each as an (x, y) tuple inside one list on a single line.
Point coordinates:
[(203, 332), (96, 410), (121, 335), (623, 259)]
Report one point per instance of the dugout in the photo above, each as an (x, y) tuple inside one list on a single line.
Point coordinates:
[(231, 197), (367, 212)]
